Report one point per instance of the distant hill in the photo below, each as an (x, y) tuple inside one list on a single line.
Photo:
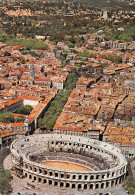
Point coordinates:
[(104, 3), (110, 4)]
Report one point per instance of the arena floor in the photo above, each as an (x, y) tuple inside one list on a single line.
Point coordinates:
[(66, 166)]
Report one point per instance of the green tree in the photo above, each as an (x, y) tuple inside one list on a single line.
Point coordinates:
[(25, 110), (41, 122), (6, 53), (5, 177), (7, 118)]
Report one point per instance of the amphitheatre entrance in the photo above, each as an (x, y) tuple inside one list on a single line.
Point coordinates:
[(66, 166)]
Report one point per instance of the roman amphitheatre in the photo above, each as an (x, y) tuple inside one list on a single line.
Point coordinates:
[(68, 162)]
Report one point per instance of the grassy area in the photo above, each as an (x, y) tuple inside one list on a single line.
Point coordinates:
[(28, 43), (58, 103), (86, 54), (128, 35), (5, 177), (25, 42), (113, 34)]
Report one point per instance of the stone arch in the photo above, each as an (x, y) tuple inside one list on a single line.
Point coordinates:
[(40, 171), (68, 176), (50, 173), (91, 186), (55, 183), (116, 181), (97, 186), (112, 174), (85, 177), (107, 184), (73, 186), (79, 186), (103, 176), (122, 177), (97, 176), (80, 177), (85, 186), (61, 175), (50, 182), (72, 150), (61, 184), (67, 185), (30, 167), (102, 185), (120, 180), (69, 150), (45, 172), (112, 183), (35, 178), (39, 179), (91, 177), (30, 176), (26, 174), (45, 181), (74, 177), (35, 169)]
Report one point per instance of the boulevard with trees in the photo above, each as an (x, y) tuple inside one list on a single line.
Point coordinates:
[(56, 106)]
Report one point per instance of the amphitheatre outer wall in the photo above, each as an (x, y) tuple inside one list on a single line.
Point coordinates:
[(107, 163)]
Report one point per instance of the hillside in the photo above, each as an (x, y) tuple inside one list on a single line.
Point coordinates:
[(110, 4), (105, 3)]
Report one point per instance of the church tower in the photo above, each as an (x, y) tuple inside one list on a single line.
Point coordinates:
[(105, 15), (27, 125), (32, 73)]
